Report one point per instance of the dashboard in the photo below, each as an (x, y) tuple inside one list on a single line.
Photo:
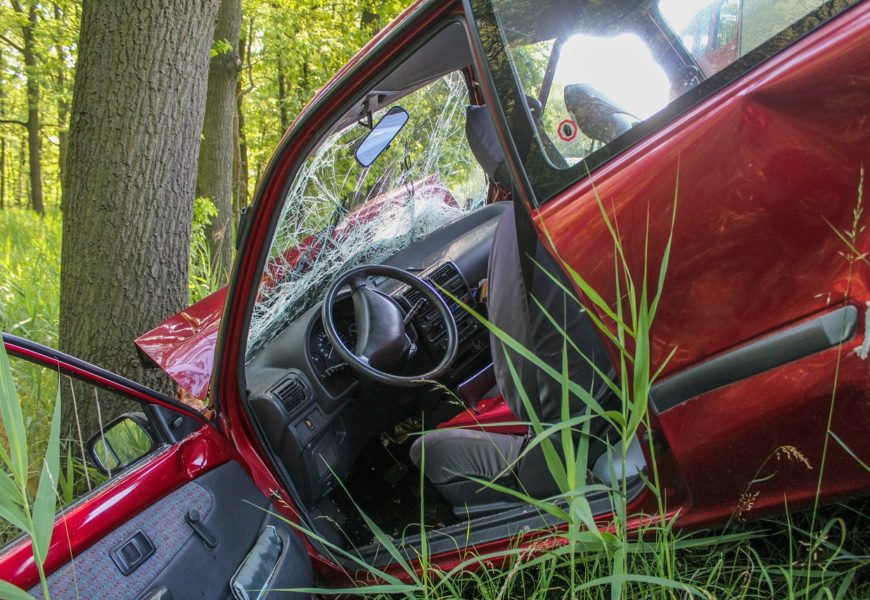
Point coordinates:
[(304, 396)]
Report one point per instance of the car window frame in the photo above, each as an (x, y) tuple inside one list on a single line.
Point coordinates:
[(150, 401), (543, 180)]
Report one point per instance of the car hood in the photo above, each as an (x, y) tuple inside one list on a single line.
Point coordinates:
[(183, 345)]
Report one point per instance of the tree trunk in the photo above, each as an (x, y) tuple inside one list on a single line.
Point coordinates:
[(137, 113), (214, 178), (241, 167), (19, 175), (62, 107), (282, 97), (34, 141)]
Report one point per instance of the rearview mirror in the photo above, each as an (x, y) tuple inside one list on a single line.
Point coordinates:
[(121, 443), (381, 136)]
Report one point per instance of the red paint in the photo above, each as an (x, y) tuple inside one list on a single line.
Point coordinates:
[(491, 414), (762, 166), (365, 66), (117, 502), (567, 130), (183, 345)]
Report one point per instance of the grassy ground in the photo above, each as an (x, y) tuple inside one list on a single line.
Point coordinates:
[(774, 558)]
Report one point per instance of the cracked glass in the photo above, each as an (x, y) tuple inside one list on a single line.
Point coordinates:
[(339, 214)]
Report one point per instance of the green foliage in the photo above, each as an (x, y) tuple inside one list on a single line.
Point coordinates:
[(55, 38), (295, 46), (30, 281), (32, 514), (204, 277), (221, 47)]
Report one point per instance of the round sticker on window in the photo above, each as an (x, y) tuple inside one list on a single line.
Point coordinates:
[(567, 130)]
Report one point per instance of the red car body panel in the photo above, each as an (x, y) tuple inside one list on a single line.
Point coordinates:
[(183, 345), (766, 168), (762, 165), (227, 388), (121, 499), (491, 414)]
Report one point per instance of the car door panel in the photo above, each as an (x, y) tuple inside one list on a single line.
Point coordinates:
[(152, 503), (229, 506), (767, 173)]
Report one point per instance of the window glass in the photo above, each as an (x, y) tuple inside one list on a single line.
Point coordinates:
[(86, 411), (719, 32), (339, 214), (586, 74)]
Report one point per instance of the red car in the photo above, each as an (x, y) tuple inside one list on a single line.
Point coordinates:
[(459, 159)]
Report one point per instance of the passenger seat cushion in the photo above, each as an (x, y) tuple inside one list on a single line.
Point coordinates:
[(453, 455)]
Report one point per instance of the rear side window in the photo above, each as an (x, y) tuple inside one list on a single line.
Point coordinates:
[(718, 33), (580, 81)]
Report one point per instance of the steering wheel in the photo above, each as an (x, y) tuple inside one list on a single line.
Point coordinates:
[(382, 341)]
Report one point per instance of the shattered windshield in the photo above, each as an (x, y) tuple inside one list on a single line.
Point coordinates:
[(339, 214)]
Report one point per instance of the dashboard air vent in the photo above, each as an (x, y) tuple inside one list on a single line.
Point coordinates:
[(291, 392), (443, 275)]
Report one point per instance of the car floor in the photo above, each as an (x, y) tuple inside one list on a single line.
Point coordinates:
[(387, 487)]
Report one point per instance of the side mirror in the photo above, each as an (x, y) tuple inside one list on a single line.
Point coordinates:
[(381, 136), (121, 443)]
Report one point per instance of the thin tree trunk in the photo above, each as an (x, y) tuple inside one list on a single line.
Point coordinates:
[(282, 97), (214, 178), (19, 177), (34, 141), (137, 113), (62, 106), (241, 170)]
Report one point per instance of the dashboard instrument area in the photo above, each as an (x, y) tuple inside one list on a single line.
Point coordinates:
[(335, 374), (312, 409)]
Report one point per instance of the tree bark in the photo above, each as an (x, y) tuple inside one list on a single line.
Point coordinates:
[(137, 113), (19, 182), (62, 106), (241, 167), (282, 97), (214, 178), (34, 141)]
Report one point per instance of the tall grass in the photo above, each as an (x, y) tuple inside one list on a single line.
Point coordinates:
[(30, 274), (821, 553), (31, 513)]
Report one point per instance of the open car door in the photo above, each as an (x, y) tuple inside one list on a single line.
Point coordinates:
[(154, 505)]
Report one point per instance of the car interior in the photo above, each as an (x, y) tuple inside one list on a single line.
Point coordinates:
[(369, 368)]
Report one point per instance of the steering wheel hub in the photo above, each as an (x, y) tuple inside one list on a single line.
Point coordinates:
[(383, 341)]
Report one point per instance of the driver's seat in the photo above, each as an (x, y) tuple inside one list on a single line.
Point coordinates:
[(450, 458)]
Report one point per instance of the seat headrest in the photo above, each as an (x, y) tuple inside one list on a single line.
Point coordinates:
[(483, 140)]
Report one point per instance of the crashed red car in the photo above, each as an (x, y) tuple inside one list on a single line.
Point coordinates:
[(457, 155)]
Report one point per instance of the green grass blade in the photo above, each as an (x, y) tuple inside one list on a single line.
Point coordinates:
[(13, 592), (10, 511), (46, 495), (13, 421), (8, 491), (849, 451)]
